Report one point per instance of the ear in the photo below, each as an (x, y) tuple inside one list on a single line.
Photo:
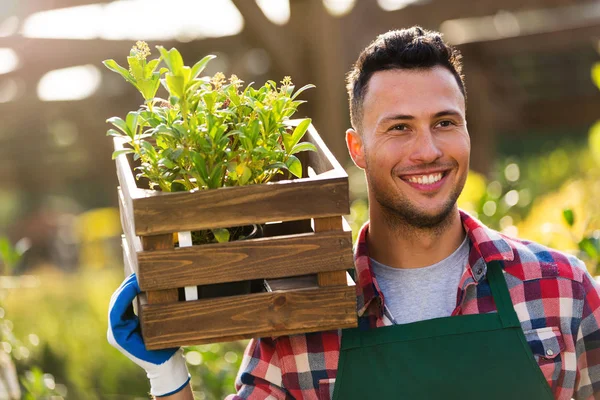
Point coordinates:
[(356, 148)]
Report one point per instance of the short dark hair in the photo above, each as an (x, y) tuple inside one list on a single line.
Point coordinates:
[(411, 48)]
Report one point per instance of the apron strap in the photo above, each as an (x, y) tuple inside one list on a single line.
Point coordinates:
[(501, 295)]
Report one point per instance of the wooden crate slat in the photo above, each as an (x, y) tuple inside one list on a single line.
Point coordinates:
[(330, 278), (159, 242), (274, 257), (241, 317), (242, 205)]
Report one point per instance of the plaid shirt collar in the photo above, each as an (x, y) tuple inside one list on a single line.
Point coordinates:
[(486, 245)]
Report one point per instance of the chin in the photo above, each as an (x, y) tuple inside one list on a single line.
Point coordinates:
[(418, 215)]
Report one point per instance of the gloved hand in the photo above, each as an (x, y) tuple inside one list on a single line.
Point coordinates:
[(165, 368)]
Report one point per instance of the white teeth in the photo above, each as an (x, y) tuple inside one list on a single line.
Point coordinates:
[(425, 179)]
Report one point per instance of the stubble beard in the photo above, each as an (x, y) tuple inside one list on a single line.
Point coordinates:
[(403, 216)]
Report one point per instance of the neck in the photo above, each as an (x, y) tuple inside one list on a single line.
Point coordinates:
[(401, 245)]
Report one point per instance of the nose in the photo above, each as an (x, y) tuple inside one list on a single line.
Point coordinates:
[(425, 149)]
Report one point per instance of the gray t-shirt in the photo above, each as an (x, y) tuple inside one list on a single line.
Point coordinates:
[(417, 294)]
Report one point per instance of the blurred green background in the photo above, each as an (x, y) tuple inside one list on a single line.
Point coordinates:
[(533, 77)]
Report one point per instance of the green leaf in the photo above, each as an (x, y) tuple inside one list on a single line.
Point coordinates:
[(302, 89), (132, 121), (176, 61), (596, 74), (113, 66), (166, 163), (136, 68), (148, 147), (148, 87), (112, 132), (185, 73), (216, 175), (178, 186), (175, 84), (221, 234), (210, 99), (294, 166), (304, 146), (117, 153), (8, 255), (172, 58), (300, 131), (589, 248), (164, 129), (200, 65), (151, 67), (568, 216), (120, 124), (173, 99), (244, 174), (290, 140)]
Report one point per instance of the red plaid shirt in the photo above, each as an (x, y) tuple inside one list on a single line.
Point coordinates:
[(556, 300)]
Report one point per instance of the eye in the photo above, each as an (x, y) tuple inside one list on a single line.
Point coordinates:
[(446, 123), (399, 127)]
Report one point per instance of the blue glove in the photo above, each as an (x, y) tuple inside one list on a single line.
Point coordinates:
[(165, 368)]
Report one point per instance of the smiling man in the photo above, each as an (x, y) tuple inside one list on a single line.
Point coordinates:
[(447, 307)]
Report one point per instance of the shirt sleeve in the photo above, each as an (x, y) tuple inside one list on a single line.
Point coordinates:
[(260, 377), (587, 346)]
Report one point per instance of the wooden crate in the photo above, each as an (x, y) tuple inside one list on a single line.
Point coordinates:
[(303, 255)]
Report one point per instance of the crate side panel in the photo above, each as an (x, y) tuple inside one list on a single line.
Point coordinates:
[(322, 161), (126, 214), (240, 317), (124, 172), (237, 206), (245, 260)]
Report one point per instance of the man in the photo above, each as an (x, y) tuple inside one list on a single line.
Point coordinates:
[(447, 307)]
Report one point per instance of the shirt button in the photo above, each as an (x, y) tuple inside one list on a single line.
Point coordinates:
[(549, 352), (479, 271)]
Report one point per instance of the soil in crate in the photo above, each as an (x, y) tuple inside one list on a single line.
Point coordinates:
[(227, 289)]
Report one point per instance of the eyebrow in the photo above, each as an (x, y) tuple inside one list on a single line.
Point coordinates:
[(405, 117)]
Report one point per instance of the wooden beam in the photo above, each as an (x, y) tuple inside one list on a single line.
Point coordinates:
[(241, 317), (540, 42), (234, 206), (263, 258), (38, 56)]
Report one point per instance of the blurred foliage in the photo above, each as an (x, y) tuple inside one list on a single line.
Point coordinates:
[(68, 313), (35, 384), (213, 368), (549, 198)]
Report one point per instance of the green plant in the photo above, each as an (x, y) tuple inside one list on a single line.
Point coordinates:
[(35, 384), (208, 133), (588, 244)]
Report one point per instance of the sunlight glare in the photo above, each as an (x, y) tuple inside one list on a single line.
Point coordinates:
[(74, 83)]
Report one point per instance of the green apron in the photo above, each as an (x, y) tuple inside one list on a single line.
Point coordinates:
[(480, 356)]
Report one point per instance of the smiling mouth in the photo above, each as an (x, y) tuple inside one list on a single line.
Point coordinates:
[(425, 179)]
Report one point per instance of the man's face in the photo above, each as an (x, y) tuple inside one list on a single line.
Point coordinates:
[(414, 145)]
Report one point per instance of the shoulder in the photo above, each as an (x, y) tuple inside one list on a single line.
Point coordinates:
[(535, 261)]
